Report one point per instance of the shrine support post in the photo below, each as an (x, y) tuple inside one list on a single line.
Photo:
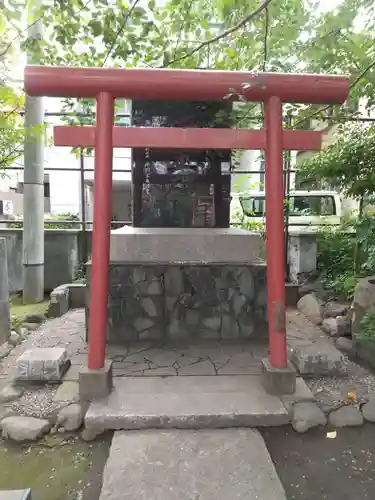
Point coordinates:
[(275, 232), (101, 230)]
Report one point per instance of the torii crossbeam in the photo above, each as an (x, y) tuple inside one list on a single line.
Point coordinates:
[(155, 84)]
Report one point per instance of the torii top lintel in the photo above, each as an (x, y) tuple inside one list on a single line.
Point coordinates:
[(181, 84)]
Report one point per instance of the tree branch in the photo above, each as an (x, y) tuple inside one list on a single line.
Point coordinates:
[(225, 33), (120, 30), (352, 85)]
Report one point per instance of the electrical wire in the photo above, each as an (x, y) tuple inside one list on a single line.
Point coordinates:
[(225, 33)]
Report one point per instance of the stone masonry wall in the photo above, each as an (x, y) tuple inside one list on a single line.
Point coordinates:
[(187, 302)]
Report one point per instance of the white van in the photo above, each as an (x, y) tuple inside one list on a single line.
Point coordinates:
[(306, 209)]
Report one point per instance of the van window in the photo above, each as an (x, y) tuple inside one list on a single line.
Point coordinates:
[(298, 206)]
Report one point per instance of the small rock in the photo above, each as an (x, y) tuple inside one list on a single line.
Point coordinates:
[(70, 418), (314, 287), (90, 433), (30, 326), (35, 318), (5, 350), (368, 411), (329, 326), (10, 393), (23, 332), (333, 309), (346, 345), (307, 415), (347, 416), (24, 428), (312, 307), (14, 339)]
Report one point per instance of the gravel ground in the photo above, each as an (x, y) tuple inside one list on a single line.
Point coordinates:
[(314, 467), (37, 402)]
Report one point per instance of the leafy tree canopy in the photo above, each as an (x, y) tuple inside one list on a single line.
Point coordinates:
[(348, 163)]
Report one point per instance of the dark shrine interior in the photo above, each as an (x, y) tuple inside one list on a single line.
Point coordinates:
[(176, 188)]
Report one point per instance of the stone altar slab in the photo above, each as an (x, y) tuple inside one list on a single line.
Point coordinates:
[(185, 245)]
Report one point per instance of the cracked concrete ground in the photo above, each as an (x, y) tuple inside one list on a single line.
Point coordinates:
[(157, 359), (147, 359)]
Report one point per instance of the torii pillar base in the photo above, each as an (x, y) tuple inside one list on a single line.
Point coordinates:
[(278, 381)]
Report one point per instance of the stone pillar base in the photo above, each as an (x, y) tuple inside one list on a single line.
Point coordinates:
[(278, 381), (95, 384)]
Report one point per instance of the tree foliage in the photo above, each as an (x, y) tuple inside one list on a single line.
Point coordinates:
[(11, 98), (348, 163)]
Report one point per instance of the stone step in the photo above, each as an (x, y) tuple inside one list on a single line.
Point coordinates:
[(225, 464), (195, 402)]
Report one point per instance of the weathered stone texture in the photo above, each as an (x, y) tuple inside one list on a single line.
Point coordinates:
[(46, 364), (186, 301)]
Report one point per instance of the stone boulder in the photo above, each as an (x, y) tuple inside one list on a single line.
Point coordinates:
[(312, 307), (10, 393), (24, 428), (314, 287), (329, 326), (70, 418), (368, 410), (333, 309), (347, 416), (363, 302), (307, 415), (344, 325), (346, 345)]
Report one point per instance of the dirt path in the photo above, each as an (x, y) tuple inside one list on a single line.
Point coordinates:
[(314, 467)]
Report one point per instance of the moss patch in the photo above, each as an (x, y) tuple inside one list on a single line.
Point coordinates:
[(58, 468), (19, 311)]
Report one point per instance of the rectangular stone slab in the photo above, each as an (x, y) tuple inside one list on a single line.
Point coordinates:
[(46, 364), (201, 402), (185, 245), (228, 464), (15, 494)]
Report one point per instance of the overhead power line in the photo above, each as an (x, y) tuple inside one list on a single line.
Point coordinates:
[(352, 85), (225, 33)]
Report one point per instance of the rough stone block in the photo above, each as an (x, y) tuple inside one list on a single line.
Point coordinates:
[(310, 360), (368, 411), (278, 381), (307, 415), (95, 384), (15, 494), (347, 416), (312, 307), (77, 295), (24, 428), (44, 364), (59, 304)]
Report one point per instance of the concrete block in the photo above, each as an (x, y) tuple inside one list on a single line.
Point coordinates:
[(194, 402), (227, 464), (59, 301), (15, 494), (193, 245), (278, 381), (302, 251), (95, 384), (77, 295), (312, 360), (44, 364)]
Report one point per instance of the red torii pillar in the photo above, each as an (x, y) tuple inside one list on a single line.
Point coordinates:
[(155, 84)]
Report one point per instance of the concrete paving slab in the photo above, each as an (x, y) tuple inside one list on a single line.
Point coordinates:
[(230, 464), (196, 402)]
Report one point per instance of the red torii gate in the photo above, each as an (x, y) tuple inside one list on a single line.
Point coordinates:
[(106, 84)]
